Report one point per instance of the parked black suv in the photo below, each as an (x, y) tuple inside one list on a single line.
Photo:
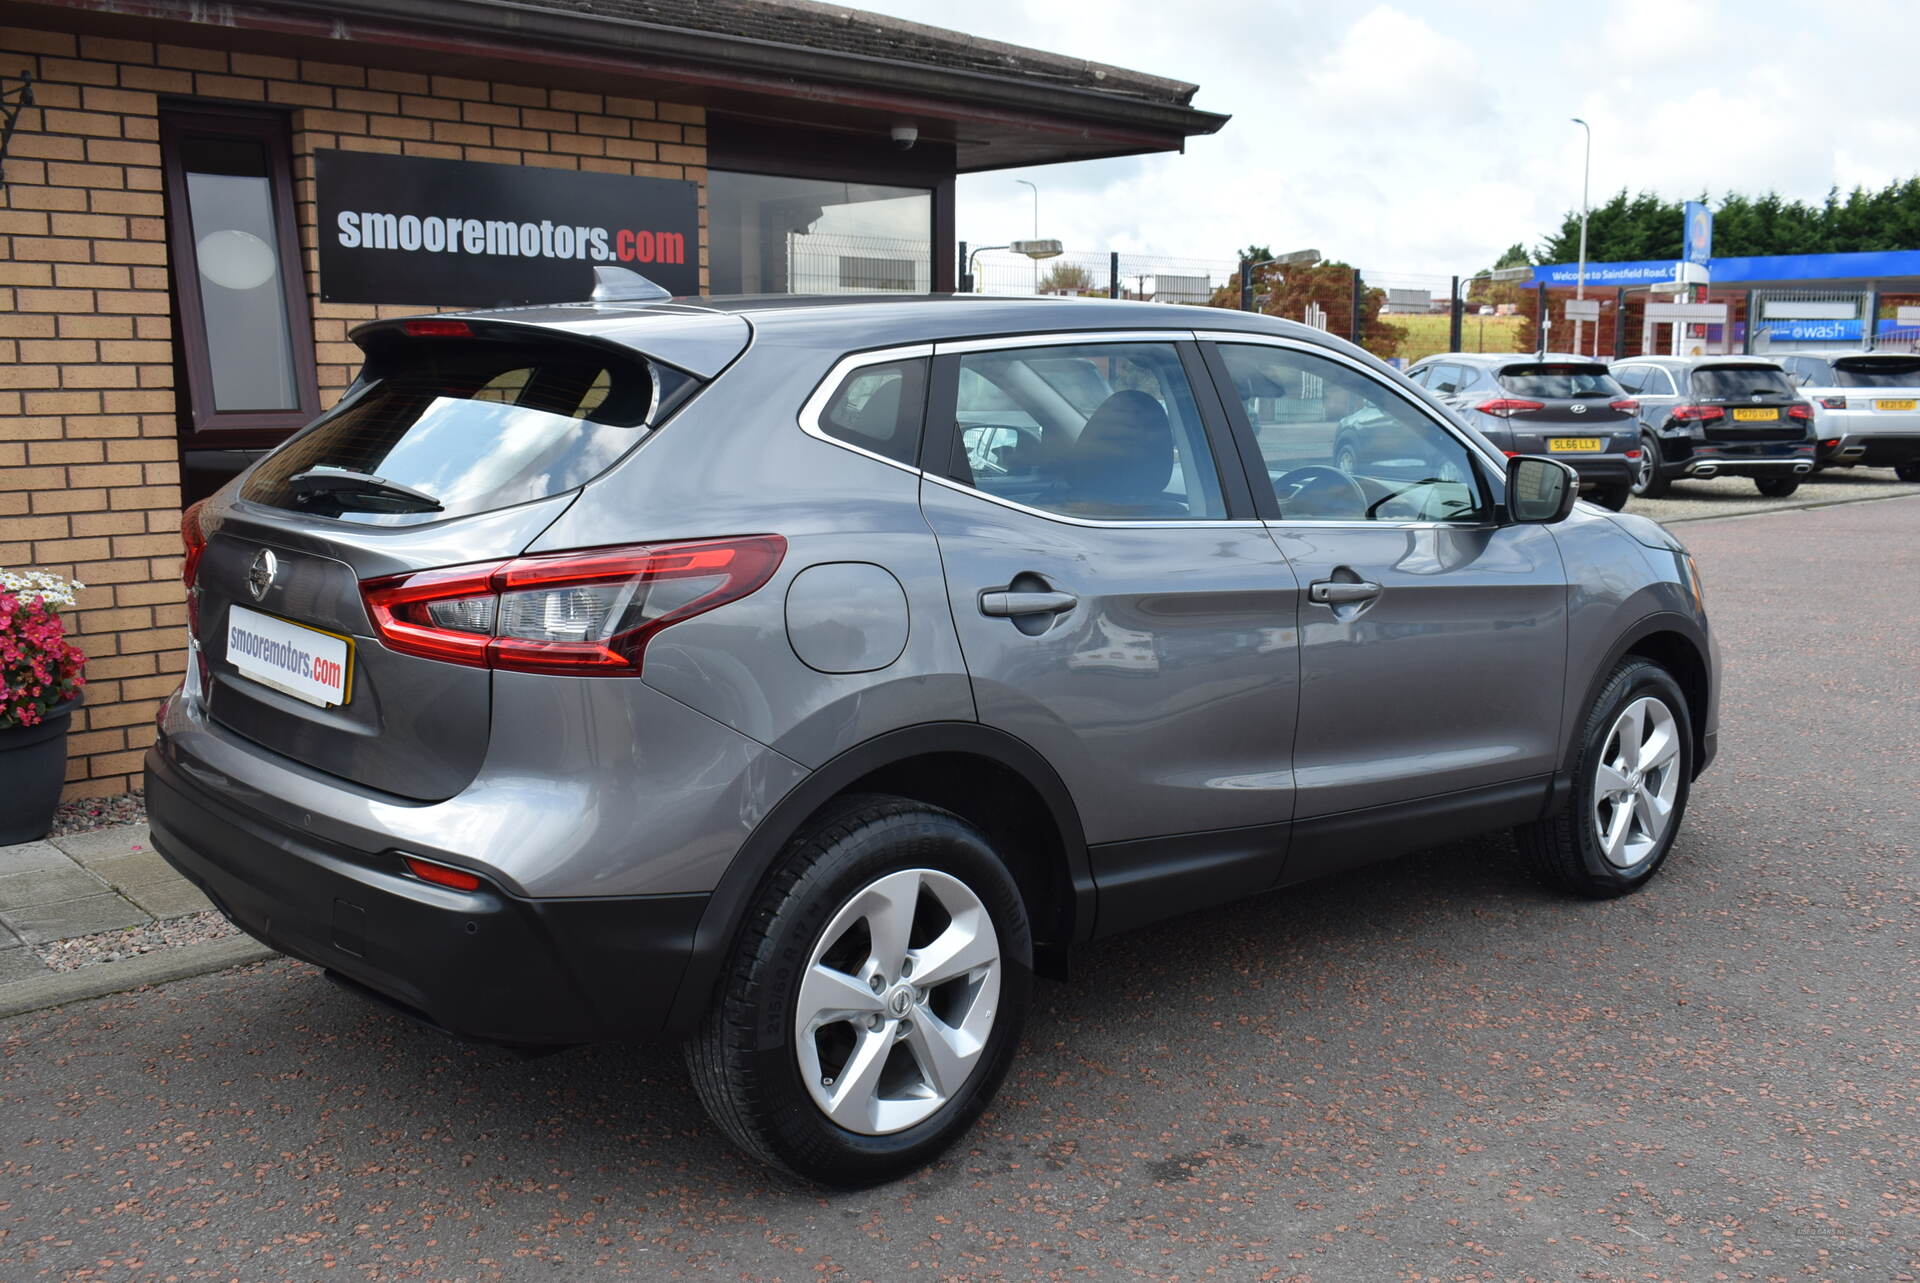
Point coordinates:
[(1718, 416)]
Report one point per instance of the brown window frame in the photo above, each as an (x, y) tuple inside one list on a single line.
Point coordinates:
[(209, 427)]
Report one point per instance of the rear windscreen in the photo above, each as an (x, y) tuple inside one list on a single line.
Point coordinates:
[(439, 428), (1559, 381), (1881, 372), (1735, 382)]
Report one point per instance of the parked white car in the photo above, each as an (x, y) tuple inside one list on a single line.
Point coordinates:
[(1866, 407)]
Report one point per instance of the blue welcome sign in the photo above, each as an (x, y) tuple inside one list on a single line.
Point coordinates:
[(1699, 234)]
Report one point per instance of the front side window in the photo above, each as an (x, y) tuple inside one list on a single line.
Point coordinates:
[(879, 408), (1340, 445), (244, 329), (1104, 431)]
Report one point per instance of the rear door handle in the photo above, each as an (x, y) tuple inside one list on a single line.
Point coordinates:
[(1335, 592), (1011, 605)]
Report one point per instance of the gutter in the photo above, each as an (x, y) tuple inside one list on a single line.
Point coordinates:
[(670, 53)]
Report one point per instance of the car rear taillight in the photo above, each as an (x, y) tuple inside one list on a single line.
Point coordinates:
[(1800, 410), (1627, 406), (193, 542), (1833, 402), (1698, 413), (437, 329), (1507, 407), (583, 613), (444, 875)]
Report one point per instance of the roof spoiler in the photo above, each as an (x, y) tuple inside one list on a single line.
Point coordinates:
[(621, 285)]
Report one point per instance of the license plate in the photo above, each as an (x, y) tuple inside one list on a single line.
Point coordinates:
[(1755, 416), (1561, 445), (303, 662), (1893, 405)]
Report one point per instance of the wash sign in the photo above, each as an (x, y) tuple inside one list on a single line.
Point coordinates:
[(428, 232)]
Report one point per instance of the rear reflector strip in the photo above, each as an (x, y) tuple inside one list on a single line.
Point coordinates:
[(441, 874)]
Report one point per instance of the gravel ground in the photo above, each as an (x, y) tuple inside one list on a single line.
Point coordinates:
[(1735, 496), (1424, 1070), (89, 813), (128, 942)]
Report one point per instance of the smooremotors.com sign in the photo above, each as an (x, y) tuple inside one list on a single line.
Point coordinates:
[(405, 229)]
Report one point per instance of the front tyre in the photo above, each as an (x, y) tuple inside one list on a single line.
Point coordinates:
[(1612, 497), (874, 999), (1908, 471), (1777, 487), (1629, 792)]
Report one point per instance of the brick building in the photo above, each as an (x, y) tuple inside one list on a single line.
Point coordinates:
[(165, 311)]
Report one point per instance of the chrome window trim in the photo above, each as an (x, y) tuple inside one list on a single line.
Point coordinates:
[(1313, 349), (816, 404), (1059, 338), (1202, 523)]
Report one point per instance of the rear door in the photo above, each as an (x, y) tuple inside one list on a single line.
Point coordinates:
[(1432, 640), (1120, 607), (453, 449)]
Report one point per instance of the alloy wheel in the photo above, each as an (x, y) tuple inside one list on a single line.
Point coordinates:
[(1636, 781), (897, 1001), (1643, 467)]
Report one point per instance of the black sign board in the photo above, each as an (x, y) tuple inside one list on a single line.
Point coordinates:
[(405, 229)]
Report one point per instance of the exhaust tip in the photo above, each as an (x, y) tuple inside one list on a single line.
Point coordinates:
[(1799, 468)]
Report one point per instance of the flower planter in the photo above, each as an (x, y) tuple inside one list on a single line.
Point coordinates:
[(33, 766)]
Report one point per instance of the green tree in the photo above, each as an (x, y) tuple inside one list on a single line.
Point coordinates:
[(1287, 291), (1646, 226), (1066, 278)]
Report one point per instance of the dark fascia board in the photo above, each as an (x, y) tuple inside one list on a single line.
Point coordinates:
[(658, 48)]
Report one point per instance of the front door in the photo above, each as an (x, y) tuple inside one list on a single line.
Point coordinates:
[(1432, 639), (1119, 606)]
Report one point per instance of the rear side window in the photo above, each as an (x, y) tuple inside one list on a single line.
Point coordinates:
[(1877, 372), (441, 428), (1559, 381), (1737, 382), (1631, 377), (880, 408)]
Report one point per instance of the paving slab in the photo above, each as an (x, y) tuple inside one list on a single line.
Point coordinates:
[(39, 924), (105, 844), (47, 886), (25, 857), (17, 962), (125, 872), (168, 900)]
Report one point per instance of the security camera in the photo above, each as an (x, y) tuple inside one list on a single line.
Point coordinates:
[(905, 136)]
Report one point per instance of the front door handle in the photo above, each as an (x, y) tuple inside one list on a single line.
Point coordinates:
[(1335, 592), (1012, 605)]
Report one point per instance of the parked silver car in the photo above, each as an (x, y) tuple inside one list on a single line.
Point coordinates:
[(1866, 407), (800, 677)]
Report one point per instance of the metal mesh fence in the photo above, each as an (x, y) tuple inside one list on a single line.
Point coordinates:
[(1155, 277), (828, 263)]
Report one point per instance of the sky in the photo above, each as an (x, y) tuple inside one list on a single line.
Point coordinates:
[(1425, 138)]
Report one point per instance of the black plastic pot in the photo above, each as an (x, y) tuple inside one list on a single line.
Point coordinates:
[(33, 766)]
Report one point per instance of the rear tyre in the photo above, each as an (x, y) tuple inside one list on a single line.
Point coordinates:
[(1614, 497), (874, 999), (1777, 487), (1630, 789), (1347, 458), (1649, 482), (1909, 471)]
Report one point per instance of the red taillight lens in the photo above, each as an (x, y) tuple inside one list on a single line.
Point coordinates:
[(1507, 407), (438, 329), (577, 613), (1698, 413), (1834, 444), (441, 874), (1833, 402), (193, 542), (1800, 410), (1633, 454), (1627, 406)]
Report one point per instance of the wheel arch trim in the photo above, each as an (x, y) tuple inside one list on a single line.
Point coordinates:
[(733, 897), (1661, 622)]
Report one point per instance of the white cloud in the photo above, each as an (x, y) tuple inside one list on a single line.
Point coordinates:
[(1427, 138)]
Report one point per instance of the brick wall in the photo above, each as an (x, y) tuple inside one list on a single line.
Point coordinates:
[(89, 473)]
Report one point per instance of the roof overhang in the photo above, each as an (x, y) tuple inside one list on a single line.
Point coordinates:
[(992, 121)]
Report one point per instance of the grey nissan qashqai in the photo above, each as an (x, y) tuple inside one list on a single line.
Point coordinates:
[(800, 676)]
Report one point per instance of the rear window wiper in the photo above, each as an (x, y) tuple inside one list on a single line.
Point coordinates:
[(342, 484)]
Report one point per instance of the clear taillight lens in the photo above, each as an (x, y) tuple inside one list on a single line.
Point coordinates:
[(1833, 402), (580, 613)]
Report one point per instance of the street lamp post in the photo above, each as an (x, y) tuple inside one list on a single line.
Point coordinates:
[(1580, 281), (1036, 225), (1035, 249)]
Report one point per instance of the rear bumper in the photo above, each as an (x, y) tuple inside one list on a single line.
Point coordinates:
[(483, 964), (1870, 449), (1599, 469), (1735, 459)]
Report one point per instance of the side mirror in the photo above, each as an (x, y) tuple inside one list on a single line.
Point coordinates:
[(1540, 491)]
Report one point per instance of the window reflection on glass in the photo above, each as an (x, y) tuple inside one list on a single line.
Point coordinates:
[(771, 235), (230, 206)]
